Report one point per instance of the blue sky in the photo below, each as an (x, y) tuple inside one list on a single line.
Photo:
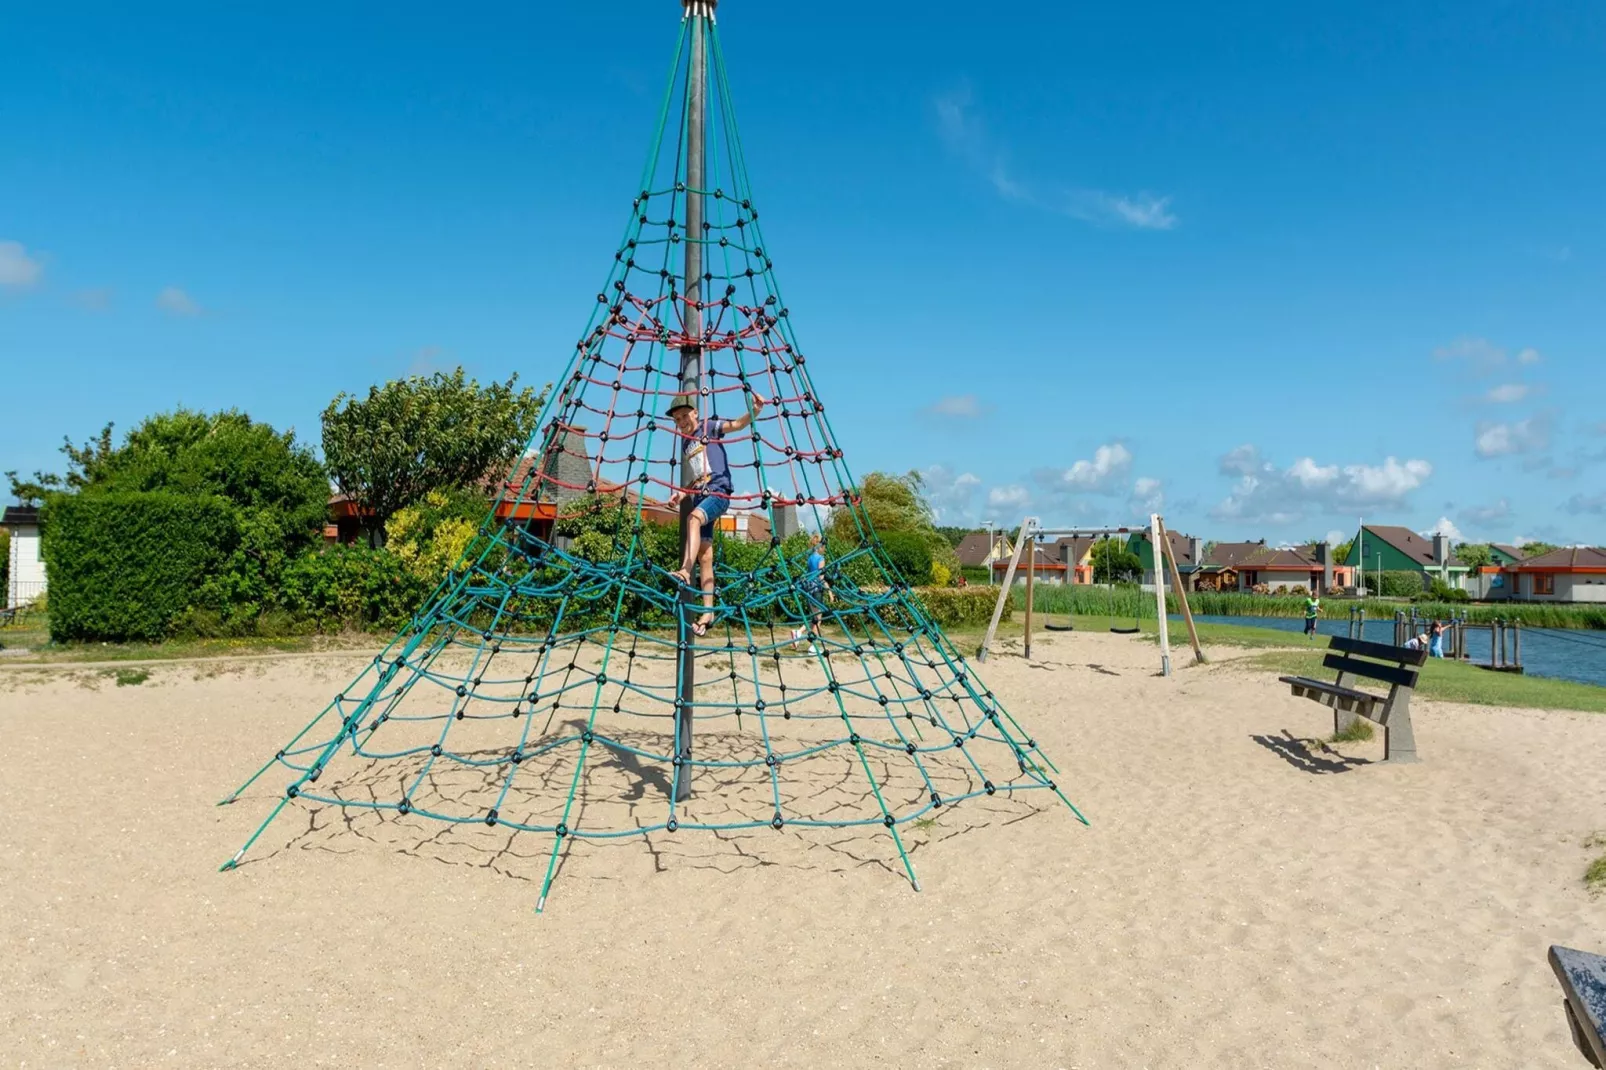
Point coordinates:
[(1273, 267)]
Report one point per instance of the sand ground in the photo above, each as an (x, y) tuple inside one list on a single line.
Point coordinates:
[(1239, 900)]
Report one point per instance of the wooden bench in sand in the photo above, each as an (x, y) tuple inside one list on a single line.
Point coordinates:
[(1357, 658), (1583, 987)]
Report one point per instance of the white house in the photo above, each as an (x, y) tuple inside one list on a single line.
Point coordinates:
[(26, 576)]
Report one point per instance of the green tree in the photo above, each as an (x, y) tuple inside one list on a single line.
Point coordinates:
[(84, 465), (1533, 548), (1475, 554), (414, 435), (1114, 562), (954, 535), (894, 503), (1341, 551)]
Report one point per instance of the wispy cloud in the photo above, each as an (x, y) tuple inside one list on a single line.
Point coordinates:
[(1487, 514), (95, 300), (1503, 439), (1508, 393), (951, 494), (18, 270), (1143, 211), (1009, 497), (1579, 504), (1109, 466), (957, 408), (175, 302), (964, 132), (1481, 356)]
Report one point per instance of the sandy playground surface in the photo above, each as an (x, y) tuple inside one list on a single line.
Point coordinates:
[(1240, 900)]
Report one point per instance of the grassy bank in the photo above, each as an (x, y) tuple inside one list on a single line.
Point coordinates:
[(1130, 602), (31, 645)]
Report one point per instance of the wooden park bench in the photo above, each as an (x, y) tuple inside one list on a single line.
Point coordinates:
[(1392, 665), (1583, 988)]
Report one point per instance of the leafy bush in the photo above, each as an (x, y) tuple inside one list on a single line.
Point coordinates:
[(1401, 584), (432, 535), (1441, 592), (960, 607), (976, 573), (910, 553), (351, 587), (123, 565)]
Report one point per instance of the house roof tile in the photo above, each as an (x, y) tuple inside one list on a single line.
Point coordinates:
[(1566, 558), (1418, 548)]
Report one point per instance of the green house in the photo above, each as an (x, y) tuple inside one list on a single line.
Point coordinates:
[(1188, 551), (1397, 549)]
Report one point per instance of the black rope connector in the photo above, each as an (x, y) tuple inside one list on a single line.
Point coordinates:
[(881, 699), (516, 757), (987, 786), (1051, 786), (405, 807), (673, 825), (490, 818), (936, 800), (959, 741), (562, 830), (602, 677), (776, 822), (435, 751), (853, 738), (910, 747), (769, 760), (759, 705), (461, 690), (831, 687), (888, 820), (461, 714), (292, 791), (279, 756)]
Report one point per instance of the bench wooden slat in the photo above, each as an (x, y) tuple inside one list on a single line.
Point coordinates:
[(1583, 982), (1382, 651), (1330, 688), (1389, 674)]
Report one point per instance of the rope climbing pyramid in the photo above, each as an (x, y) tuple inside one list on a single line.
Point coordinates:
[(644, 637)]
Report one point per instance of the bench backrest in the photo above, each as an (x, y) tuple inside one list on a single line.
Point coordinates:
[(1394, 660)]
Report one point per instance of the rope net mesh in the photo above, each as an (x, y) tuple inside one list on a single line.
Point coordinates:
[(553, 684)]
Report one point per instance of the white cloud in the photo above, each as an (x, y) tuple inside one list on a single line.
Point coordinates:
[(1109, 466), (1008, 497), (1487, 514), (1528, 355), (964, 132), (1142, 211), (951, 494), (1443, 526), (1335, 536), (958, 407), (1506, 393), (1148, 496), (1519, 436), (1275, 495), (17, 268), (176, 302)]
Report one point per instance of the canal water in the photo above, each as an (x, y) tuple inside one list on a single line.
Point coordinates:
[(1561, 653)]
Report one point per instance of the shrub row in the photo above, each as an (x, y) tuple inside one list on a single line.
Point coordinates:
[(123, 565)]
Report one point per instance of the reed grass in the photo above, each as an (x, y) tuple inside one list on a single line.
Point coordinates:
[(1129, 601)]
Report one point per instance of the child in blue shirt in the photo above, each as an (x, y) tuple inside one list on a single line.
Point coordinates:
[(708, 485)]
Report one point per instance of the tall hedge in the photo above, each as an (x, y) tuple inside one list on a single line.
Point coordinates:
[(121, 565)]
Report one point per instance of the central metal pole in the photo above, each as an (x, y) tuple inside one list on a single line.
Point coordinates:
[(700, 12)]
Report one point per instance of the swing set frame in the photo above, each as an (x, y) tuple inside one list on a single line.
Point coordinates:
[(1031, 529)]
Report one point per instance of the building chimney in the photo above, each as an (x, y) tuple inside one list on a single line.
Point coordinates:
[(1195, 550), (1324, 557), (1441, 548)]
